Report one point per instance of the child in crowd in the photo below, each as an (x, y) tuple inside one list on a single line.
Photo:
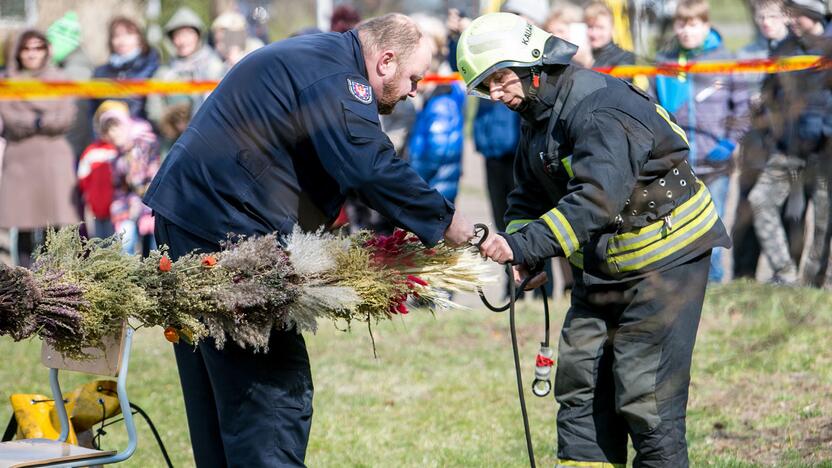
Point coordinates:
[(95, 168), (114, 173), (706, 107)]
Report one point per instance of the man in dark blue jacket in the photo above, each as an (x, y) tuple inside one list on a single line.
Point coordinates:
[(291, 130)]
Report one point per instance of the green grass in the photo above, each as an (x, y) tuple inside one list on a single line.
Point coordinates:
[(442, 391)]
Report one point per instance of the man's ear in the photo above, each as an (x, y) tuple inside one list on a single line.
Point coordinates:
[(387, 63)]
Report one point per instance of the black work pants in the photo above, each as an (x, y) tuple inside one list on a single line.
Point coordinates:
[(244, 408), (624, 368)]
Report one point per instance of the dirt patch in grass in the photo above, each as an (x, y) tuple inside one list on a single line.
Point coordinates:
[(786, 417)]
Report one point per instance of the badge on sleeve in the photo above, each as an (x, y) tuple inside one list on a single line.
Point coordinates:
[(361, 91)]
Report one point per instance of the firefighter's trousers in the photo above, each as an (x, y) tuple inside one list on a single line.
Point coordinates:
[(624, 368)]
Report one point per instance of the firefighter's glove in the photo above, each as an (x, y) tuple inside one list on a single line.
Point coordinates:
[(722, 151)]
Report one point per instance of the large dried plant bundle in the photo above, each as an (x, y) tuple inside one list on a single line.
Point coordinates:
[(81, 290)]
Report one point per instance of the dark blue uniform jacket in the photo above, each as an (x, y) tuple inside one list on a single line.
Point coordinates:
[(287, 133)]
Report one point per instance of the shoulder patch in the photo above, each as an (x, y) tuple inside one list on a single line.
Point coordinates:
[(362, 92)]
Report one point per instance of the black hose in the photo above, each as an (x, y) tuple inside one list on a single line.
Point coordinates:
[(518, 371), (515, 294), (11, 429), (545, 317), (137, 410), (162, 449)]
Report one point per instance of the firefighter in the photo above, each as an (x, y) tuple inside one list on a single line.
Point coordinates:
[(603, 180)]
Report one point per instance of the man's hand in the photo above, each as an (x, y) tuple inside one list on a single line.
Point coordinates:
[(521, 272), (496, 248), (459, 231)]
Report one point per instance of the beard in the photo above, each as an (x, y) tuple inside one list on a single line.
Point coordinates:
[(389, 98)]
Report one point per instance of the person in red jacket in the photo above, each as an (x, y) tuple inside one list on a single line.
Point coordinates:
[(95, 170)]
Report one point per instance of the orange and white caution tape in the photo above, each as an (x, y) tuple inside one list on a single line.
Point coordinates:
[(722, 67), (33, 89)]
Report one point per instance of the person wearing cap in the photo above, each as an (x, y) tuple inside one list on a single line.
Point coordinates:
[(791, 116), (286, 135), (193, 61), (603, 180)]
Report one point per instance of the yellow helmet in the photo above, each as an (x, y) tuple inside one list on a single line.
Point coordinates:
[(500, 40)]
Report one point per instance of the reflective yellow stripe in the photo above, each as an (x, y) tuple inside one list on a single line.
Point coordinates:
[(676, 128), (562, 230), (679, 217), (677, 240), (516, 225), (567, 164), (588, 464)]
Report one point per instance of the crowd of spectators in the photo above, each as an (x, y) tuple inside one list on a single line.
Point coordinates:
[(761, 137)]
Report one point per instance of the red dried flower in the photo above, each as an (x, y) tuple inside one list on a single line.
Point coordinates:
[(165, 264), (170, 333), (209, 261), (417, 280)]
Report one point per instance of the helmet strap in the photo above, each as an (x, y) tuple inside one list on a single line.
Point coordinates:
[(538, 76)]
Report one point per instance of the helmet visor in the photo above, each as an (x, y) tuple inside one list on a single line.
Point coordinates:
[(478, 87)]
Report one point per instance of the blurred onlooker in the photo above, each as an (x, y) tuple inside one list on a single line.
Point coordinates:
[(434, 147), (706, 106), (130, 58), (64, 37), (193, 60), (773, 26), (795, 107), (68, 54), (344, 17), (599, 23), (38, 180), (231, 40), (566, 21), (534, 11), (114, 173), (95, 168), (455, 23), (137, 163)]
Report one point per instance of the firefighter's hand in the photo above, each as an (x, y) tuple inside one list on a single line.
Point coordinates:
[(521, 272), (496, 248), (460, 231)]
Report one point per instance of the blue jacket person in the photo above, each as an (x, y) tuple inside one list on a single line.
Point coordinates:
[(289, 132), (603, 180)]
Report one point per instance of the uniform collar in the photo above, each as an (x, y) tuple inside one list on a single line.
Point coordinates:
[(357, 53), (540, 109)]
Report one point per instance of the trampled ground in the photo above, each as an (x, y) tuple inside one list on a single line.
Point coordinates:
[(442, 391)]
